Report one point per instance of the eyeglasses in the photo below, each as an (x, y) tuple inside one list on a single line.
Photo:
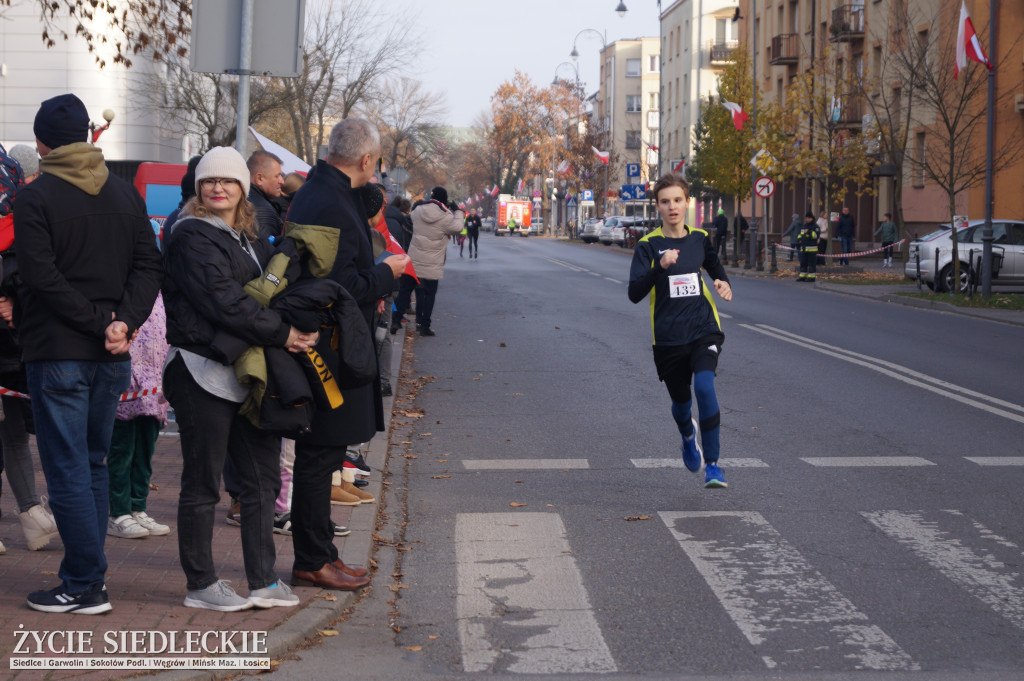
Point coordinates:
[(211, 182)]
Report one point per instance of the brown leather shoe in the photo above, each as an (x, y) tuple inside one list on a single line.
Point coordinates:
[(328, 577), (351, 570)]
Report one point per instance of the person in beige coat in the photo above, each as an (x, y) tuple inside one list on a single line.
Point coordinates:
[(433, 221)]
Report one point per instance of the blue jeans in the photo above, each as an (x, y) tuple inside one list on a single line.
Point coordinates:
[(847, 244), (73, 402)]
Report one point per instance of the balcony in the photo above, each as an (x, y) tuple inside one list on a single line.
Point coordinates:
[(785, 49), (847, 24), (721, 54), (849, 112)]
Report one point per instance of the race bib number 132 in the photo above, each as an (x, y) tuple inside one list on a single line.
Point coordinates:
[(684, 285)]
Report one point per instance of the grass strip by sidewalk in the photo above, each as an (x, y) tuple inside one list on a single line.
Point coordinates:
[(997, 301)]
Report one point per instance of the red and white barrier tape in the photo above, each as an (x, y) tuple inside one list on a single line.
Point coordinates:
[(125, 397), (852, 254)]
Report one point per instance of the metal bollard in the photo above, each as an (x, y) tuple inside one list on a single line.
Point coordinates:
[(775, 263)]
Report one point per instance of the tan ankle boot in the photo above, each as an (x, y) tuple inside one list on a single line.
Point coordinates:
[(364, 497), (39, 527)]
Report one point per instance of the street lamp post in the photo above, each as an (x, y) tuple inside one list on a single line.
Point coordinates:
[(97, 130), (575, 55)]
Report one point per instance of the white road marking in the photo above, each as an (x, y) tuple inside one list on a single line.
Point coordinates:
[(522, 607), (562, 263), (678, 463), (775, 596), (901, 373), (522, 464), (997, 460), (997, 583), (851, 461), (592, 273), (724, 316), (614, 281)]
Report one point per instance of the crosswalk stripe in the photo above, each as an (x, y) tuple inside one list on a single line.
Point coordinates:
[(851, 461), (996, 583), (678, 463), (522, 607), (776, 597), (997, 460), (522, 464)]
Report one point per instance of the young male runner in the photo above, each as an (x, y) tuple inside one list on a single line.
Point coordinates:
[(687, 332)]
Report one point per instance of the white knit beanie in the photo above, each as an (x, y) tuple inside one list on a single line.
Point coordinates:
[(223, 162)]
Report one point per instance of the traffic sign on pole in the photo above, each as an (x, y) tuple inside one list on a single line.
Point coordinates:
[(764, 187)]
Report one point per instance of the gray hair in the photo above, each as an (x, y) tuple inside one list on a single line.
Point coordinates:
[(353, 138)]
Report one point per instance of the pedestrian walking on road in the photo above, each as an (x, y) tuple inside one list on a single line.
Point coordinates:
[(807, 242), (473, 232), (687, 332), (887, 230)]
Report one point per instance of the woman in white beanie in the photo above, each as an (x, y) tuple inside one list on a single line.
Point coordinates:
[(211, 254)]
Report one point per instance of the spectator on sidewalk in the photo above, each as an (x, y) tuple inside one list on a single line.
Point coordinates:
[(328, 201), (212, 253), (741, 227), (887, 230), (37, 522), (846, 230), (822, 237), (265, 183), (721, 225), (90, 273), (793, 233), (188, 190)]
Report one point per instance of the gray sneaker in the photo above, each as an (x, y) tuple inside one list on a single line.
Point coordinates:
[(217, 596), (277, 593)]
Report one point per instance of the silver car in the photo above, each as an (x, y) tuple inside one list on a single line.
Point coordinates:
[(1007, 255), (591, 230), (607, 233)]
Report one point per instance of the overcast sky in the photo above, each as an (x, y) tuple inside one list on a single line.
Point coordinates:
[(466, 48)]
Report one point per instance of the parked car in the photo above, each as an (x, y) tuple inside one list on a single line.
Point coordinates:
[(605, 234), (537, 225), (487, 224), (1007, 254), (591, 230)]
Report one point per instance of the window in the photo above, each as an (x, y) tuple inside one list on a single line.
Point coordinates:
[(725, 31), (633, 103), (652, 65), (633, 139), (633, 68), (652, 102)]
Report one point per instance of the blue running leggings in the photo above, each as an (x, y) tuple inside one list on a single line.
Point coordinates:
[(707, 404)]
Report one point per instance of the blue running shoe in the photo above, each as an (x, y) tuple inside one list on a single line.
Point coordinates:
[(713, 477), (693, 456)]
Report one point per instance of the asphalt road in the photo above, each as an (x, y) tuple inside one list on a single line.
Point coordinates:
[(872, 527)]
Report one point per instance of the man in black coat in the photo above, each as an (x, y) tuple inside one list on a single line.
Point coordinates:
[(265, 182), (721, 225), (328, 201), (90, 272), (846, 230)]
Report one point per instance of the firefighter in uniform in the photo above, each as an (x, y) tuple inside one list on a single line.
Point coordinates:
[(807, 242)]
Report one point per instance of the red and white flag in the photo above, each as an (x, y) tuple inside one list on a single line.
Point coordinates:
[(564, 168), (603, 155), (967, 44), (519, 186), (494, 190), (738, 114)]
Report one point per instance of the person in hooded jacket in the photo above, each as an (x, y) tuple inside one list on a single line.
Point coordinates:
[(433, 222), (212, 253)]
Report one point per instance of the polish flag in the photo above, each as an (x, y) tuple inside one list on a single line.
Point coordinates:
[(495, 190), (563, 168), (967, 44), (393, 246), (603, 155), (738, 114), (519, 186)]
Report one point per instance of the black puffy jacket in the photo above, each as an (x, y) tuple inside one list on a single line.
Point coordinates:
[(206, 266), (270, 222)]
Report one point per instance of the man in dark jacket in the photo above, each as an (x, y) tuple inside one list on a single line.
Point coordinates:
[(721, 225), (90, 274), (846, 230), (265, 182), (399, 222), (327, 202)]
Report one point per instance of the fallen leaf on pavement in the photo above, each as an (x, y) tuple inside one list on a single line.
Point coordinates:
[(328, 632), (502, 345), (515, 504), (432, 637), (638, 517), (439, 477), (327, 597), (414, 649)]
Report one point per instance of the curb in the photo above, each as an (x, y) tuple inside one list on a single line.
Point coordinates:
[(307, 620)]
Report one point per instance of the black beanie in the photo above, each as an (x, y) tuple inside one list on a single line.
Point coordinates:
[(439, 194), (61, 120), (809, 215), (188, 180), (373, 199)]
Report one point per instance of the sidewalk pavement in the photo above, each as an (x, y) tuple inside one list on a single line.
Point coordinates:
[(146, 583)]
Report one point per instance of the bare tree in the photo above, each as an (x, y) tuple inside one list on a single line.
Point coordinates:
[(351, 47), (409, 120), (951, 113)]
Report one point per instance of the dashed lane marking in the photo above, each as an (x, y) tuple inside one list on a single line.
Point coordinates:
[(787, 610), (997, 460), (523, 464), (522, 607), (678, 463), (853, 461)]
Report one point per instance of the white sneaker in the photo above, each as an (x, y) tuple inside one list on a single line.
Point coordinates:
[(126, 527), (155, 528)]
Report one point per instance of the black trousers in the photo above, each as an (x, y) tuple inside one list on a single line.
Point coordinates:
[(312, 535)]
